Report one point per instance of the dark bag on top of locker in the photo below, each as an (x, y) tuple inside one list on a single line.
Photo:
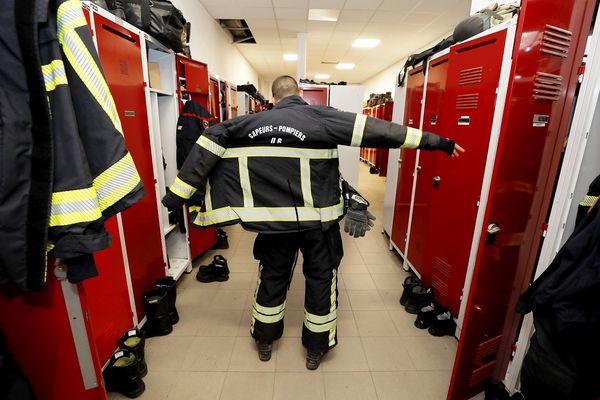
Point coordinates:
[(417, 58), (137, 13), (192, 122), (483, 20)]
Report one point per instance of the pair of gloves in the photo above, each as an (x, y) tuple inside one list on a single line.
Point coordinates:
[(358, 219)]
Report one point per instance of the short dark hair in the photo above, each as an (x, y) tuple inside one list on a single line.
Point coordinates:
[(284, 86)]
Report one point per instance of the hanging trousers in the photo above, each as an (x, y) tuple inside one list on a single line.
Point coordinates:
[(322, 252)]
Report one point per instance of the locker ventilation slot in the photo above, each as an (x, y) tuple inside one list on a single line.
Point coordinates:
[(482, 373), (547, 86), (439, 286), (556, 41), (467, 101), (442, 267), (488, 348), (470, 76)]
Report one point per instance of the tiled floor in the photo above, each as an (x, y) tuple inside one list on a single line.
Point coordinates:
[(380, 354)]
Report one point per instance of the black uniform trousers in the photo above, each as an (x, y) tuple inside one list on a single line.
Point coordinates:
[(322, 252)]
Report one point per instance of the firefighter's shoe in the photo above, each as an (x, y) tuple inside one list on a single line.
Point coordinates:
[(122, 374), (418, 298), (409, 283), (264, 350), (156, 306), (222, 241), (217, 270), (443, 324), (426, 316), (134, 340), (170, 285), (313, 359)]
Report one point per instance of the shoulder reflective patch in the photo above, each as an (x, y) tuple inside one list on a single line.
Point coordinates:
[(359, 129), (413, 138), (211, 146), (589, 201), (74, 207), (285, 152), (54, 75), (182, 189)]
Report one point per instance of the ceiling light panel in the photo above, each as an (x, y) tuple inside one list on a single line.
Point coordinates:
[(345, 66), (290, 57), (365, 43), (323, 14)]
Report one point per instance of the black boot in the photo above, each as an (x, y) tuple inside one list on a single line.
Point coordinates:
[(222, 241), (409, 283), (156, 305), (443, 324), (313, 359), (426, 316), (134, 340), (170, 285), (217, 270), (264, 350), (122, 374), (418, 298)]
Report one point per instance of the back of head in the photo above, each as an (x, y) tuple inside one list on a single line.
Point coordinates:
[(283, 87)]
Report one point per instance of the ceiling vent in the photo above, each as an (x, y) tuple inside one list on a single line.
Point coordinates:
[(238, 29)]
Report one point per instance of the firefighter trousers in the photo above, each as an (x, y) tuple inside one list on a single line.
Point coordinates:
[(322, 252)]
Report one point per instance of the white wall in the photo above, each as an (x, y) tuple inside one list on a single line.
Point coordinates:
[(209, 43)]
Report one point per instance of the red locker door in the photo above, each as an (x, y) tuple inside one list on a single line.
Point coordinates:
[(549, 50), (120, 55), (196, 75), (432, 122), (315, 96), (215, 102), (470, 97), (412, 118)]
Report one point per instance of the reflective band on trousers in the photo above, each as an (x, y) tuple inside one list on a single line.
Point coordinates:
[(70, 17), (333, 307), (589, 201), (274, 214), (74, 206), (320, 323), (413, 138), (182, 189), (211, 146), (116, 182), (284, 152), (359, 129), (268, 315), (54, 75)]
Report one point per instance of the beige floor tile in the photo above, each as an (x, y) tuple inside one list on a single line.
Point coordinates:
[(352, 257), (244, 325), (359, 282), (239, 281), (391, 299), (299, 386), (291, 355), (362, 300), (405, 323), (230, 300), (245, 357), (386, 268), (353, 269), (430, 353), (402, 385), (348, 355), (381, 257), (346, 325), (295, 300), (387, 354), (388, 281), (198, 294), (349, 386), (167, 353), (250, 267), (343, 300), (293, 321), (158, 384), (374, 323), (217, 322), (190, 318), (297, 282), (248, 386), (208, 354), (197, 386)]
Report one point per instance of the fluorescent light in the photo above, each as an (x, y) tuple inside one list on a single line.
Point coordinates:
[(366, 43), (344, 66), (322, 76), (323, 14), (290, 57)]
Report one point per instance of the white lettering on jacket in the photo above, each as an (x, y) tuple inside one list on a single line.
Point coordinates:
[(283, 129)]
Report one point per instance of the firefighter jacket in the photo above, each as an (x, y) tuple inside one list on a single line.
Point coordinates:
[(277, 171), (194, 119), (67, 168)]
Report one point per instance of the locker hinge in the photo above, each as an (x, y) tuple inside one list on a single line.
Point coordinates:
[(478, 203), (587, 134), (496, 90), (87, 315)]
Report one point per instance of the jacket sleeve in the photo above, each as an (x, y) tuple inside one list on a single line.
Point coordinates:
[(361, 131), (206, 153)]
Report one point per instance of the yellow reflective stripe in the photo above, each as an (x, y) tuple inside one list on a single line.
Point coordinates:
[(54, 75), (320, 328), (245, 182), (588, 201), (267, 214), (321, 319), (269, 310), (333, 307), (207, 198), (359, 129), (211, 146), (253, 320), (283, 152), (267, 319), (305, 182), (413, 138), (74, 206), (116, 182), (182, 189), (70, 17)]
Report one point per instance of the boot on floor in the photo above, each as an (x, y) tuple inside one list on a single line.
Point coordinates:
[(216, 271), (156, 306), (443, 324), (122, 374), (170, 285), (134, 340), (313, 359), (418, 298), (409, 283)]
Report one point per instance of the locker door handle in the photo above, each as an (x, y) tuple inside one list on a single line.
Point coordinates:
[(492, 230), (437, 179)]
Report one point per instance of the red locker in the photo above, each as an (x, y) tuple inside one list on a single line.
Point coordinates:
[(120, 55), (315, 95), (214, 98), (412, 112), (432, 122)]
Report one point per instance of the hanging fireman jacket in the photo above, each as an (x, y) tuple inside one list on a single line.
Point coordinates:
[(83, 173), (192, 122), (589, 200), (277, 171)]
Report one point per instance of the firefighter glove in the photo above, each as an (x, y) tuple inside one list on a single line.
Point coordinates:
[(358, 219)]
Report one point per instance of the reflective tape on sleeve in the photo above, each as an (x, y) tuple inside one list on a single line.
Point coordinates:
[(116, 182), (54, 75), (359, 129), (211, 146), (74, 206), (589, 201), (182, 189), (413, 138)]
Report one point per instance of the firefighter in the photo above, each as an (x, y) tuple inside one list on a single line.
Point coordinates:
[(277, 174)]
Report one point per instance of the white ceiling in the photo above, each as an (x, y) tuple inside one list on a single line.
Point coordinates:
[(403, 26)]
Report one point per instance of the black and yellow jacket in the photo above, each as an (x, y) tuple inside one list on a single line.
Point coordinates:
[(277, 171)]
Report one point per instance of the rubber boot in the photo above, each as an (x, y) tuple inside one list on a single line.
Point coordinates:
[(443, 324), (134, 340), (313, 359), (170, 285), (222, 241), (409, 283), (122, 374), (264, 350), (418, 298), (217, 270), (426, 316), (156, 306)]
